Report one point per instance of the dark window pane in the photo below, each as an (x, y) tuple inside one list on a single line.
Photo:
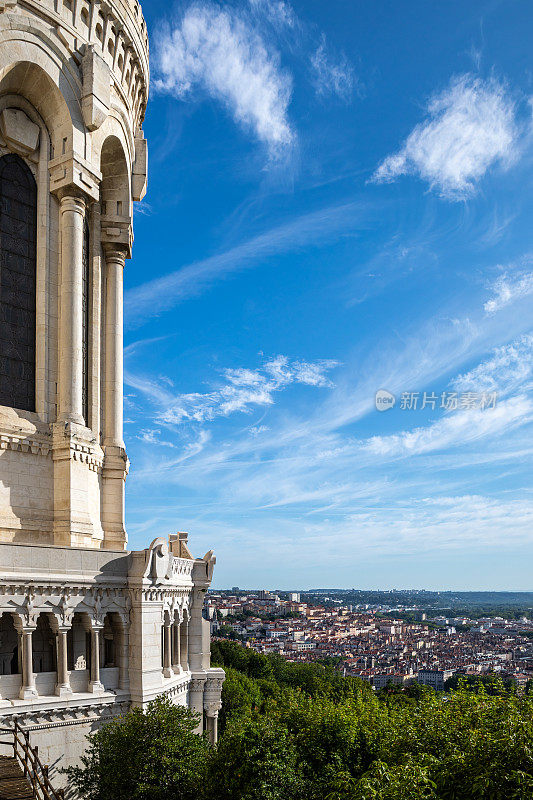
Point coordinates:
[(18, 224)]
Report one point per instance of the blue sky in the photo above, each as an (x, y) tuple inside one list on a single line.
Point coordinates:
[(339, 203)]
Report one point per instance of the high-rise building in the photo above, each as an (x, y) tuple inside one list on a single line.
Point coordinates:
[(88, 629)]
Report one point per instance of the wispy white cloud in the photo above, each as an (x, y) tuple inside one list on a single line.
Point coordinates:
[(245, 389), (454, 430), (332, 74), (310, 230), (278, 12), (216, 51), (153, 436), (509, 287), (509, 368), (470, 126)]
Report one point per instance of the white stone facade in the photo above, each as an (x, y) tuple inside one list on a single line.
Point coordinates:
[(88, 629)]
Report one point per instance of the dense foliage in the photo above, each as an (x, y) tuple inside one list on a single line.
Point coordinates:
[(303, 732), (153, 754)]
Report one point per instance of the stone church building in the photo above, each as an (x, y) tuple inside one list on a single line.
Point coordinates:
[(88, 629)]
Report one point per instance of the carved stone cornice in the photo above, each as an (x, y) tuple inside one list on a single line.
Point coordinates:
[(70, 443), (38, 445)]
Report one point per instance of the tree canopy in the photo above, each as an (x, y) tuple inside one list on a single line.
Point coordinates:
[(303, 732)]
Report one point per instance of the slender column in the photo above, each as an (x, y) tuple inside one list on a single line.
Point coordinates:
[(115, 460), (212, 727), (184, 645), (28, 689), (95, 686), (196, 704), (167, 653), (113, 427), (63, 688), (72, 211), (123, 667), (196, 642), (176, 661)]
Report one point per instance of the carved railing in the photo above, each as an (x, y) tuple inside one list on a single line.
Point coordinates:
[(34, 771)]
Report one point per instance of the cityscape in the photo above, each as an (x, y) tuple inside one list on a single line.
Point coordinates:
[(292, 347), (378, 643)]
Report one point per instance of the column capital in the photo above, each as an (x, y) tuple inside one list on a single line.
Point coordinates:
[(115, 254), (72, 202), (28, 628)]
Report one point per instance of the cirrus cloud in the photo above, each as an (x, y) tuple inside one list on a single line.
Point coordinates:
[(510, 287)]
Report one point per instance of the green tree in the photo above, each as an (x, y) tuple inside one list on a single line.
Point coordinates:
[(255, 760), (145, 755)]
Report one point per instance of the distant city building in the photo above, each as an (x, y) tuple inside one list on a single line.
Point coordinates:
[(435, 678)]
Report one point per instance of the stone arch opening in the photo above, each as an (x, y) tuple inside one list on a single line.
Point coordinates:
[(78, 644), (44, 646), (108, 642), (18, 282), (10, 655), (184, 641), (31, 81), (115, 185)]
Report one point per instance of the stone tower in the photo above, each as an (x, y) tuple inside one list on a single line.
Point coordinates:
[(73, 88), (87, 628)]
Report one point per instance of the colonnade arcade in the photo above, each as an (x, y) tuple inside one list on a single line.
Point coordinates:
[(175, 642), (49, 654)]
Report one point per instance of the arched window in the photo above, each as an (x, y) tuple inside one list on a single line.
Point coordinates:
[(18, 226)]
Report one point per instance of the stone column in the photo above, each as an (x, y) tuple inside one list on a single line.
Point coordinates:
[(72, 215), (115, 461), (167, 651), (95, 685), (115, 259), (28, 690), (196, 699), (195, 630), (63, 688), (212, 727), (176, 661), (184, 645), (123, 664)]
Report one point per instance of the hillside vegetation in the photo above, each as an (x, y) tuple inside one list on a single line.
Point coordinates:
[(303, 732)]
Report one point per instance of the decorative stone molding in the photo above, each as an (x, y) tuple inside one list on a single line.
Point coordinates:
[(197, 684), (96, 99), (117, 237), (101, 709), (140, 168), (19, 132), (181, 566), (70, 172), (23, 444), (116, 30)]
